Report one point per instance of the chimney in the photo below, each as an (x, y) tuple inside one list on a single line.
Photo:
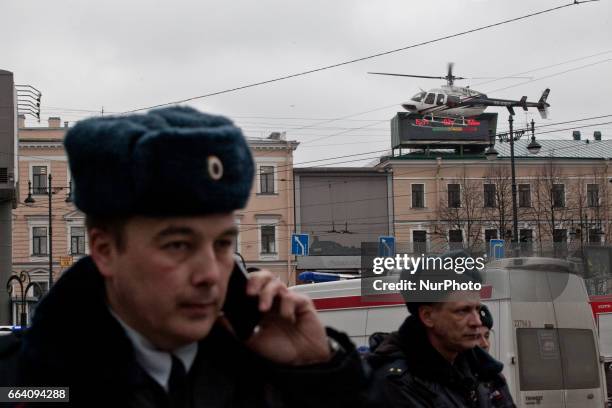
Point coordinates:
[(55, 122), (21, 121), (576, 134), (274, 136), (597, 135)]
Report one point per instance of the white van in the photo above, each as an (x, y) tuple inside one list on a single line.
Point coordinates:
[(544, 330)]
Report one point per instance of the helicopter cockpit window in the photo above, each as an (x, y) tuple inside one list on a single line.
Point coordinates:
[(440, 99), (430, 98), (419, 97)]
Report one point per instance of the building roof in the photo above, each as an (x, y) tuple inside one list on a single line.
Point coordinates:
[(558, 149), (565, 149)]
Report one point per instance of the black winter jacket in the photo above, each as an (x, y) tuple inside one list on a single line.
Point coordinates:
[(409, 372), (75, 342)]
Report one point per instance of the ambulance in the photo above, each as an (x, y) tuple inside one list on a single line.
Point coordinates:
[(544, 329)]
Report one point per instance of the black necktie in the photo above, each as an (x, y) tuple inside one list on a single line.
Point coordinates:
[(177, 385)]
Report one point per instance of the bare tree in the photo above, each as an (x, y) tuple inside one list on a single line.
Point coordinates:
[(500, 213), (550, 206), (462, 210)]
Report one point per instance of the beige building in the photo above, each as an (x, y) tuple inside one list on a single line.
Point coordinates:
[(443, 199), (264, 225)]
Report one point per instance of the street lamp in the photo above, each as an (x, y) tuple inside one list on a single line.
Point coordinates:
[(22, 279), (491, 154), (50, 191)]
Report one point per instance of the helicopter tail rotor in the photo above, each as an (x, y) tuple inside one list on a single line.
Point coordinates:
[(543, 105)]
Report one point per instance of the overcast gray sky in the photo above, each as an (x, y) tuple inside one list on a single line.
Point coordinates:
[(130, 54)]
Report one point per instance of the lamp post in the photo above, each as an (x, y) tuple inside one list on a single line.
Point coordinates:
[(50, 191), (22, 279), (491, 154)]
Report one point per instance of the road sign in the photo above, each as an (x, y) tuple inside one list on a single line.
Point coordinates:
[(299, 244), (65, 261), (497, 248), (386, 246)]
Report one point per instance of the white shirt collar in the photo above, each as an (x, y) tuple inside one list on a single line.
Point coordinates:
[(157, 363)]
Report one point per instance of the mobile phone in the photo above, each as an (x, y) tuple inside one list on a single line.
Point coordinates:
[(240, 309)]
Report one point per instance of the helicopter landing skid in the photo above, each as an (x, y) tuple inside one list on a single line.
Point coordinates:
[(447, 120)]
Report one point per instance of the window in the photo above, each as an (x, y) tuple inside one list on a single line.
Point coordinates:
[(593, 195), (558, 195), (39, 179), (524, 195), (594, 236), (77, 240), (454, 195), (560, 235), (268, 239), (39, 241), (489, 195), (526, 241), (490, 234), (430, 98), (452, 101), (455, 239), (556, 359), (419, 241), (440, 99), (418, 196), (418, 97), (266, 179)]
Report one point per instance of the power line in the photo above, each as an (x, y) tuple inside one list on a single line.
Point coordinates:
[(310, 71)]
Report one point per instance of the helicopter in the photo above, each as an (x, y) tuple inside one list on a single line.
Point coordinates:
[(460, 101)]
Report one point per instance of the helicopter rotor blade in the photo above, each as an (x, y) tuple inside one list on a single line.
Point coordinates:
[(407, 75), (502, 77)]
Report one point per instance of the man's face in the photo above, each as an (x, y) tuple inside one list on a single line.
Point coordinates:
[(170, 280), (454, 325), (483, 339)]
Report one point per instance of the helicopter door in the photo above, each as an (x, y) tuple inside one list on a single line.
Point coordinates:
[(453, 101), (430, 99), (440, 99)]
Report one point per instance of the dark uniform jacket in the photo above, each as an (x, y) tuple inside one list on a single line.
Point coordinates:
[(74, 341), (409, 372)]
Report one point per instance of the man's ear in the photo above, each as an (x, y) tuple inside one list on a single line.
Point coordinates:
[(103, 250), (426, 315)]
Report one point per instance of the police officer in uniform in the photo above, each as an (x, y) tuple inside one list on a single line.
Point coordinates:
[(139, 322)]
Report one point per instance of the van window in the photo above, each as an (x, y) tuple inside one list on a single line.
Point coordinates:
[(554, 359), (580, 363)]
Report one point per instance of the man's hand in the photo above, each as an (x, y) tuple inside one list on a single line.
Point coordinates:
[(290, 331)]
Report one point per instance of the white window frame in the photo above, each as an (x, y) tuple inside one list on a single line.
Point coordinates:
[(586, 189), (32, 223), (427, 240), (69, 225), (42, 277), (455, 229), (460, 200), (271, 221), (424, 196), (564, 194), (274, 164), (484, 195), (518, 195), (31, 165)]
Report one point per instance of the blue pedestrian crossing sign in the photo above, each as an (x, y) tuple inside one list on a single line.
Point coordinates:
[(386, 246), (299, 244), (497, 248)]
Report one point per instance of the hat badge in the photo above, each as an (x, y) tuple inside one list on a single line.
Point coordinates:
[(215, 167)]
